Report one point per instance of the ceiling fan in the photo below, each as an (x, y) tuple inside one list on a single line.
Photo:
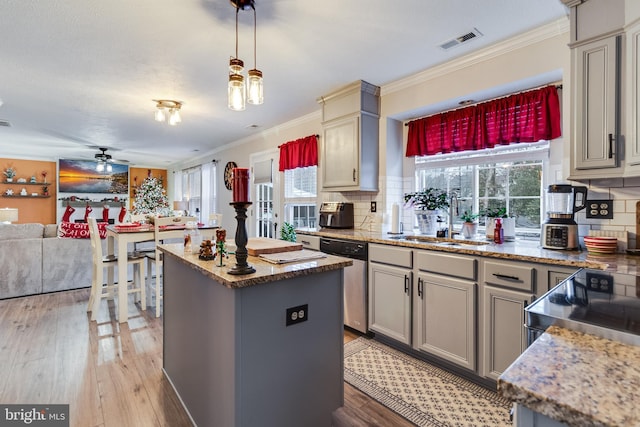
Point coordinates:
[(104, 160)]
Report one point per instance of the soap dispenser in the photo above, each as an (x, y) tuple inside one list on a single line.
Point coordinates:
[(498, 232)]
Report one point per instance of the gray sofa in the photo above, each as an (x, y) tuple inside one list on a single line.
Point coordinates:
[(34, 260)]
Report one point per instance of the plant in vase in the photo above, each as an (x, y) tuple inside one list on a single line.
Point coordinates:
[(9, 173), (427, 205), (470, 224)]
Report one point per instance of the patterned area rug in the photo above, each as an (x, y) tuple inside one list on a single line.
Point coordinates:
[(420, 392)]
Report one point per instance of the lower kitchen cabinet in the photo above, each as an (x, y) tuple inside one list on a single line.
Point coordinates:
[(390, 301), (445, 318), (504, 333)]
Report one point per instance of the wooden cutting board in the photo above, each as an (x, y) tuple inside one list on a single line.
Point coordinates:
[(265, 245)]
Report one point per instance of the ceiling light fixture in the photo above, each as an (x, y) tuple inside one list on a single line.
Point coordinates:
[(104, 161), (237, 90), (168, 110)]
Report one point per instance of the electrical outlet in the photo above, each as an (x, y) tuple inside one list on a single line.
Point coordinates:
[(599, 282), (600, 209), (374, 207), (297, 314)]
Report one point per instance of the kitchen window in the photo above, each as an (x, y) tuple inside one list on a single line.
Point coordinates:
[(506, 176), (300, 194)]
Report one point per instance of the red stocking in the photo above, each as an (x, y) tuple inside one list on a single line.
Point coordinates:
[(123, 212), (105, 213), (67, 213)]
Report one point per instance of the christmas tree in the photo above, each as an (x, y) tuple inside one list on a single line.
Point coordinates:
[(151, 198)]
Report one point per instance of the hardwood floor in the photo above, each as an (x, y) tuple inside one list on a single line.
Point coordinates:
[(110, 373)]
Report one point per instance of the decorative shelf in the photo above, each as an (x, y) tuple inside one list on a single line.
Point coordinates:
[(28, 196), (93, 204), (27, 183)]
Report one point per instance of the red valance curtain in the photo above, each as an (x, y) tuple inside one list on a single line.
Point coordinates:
[(300, 153), (523, 117)]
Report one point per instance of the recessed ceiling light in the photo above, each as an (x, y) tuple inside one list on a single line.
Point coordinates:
[(253, 126), (466, 102)]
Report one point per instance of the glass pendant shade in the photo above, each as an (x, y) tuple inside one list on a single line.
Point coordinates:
[(236, 92), (174, 117), (100, 167), (255, 95), (160, 115), (109, 167)]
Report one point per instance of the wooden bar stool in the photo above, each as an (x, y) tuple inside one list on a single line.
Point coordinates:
[(100, 289)]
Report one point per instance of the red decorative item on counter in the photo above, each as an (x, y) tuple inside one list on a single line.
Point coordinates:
[(240, 184), (498, 232)]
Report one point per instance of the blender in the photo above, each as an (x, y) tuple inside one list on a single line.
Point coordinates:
[(560, 230)]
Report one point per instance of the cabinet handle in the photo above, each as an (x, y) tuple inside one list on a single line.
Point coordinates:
[(354, 174), (406, 284), (611, 146), (305, 242), (420, 285), (507, 277)]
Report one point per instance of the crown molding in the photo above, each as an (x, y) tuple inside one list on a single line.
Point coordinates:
[(544, 32)]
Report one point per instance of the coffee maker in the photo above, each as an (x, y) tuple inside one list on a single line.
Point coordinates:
[(560, 231)]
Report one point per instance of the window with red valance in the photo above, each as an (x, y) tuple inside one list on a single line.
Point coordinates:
[(524, 117), (300, 153)]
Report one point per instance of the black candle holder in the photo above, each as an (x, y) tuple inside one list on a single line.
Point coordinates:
[(241, 266)]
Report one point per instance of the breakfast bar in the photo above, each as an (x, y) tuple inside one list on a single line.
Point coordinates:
[(259, 349)]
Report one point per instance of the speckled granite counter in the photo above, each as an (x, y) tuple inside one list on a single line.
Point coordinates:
[(520, 250), (265, 272), (577, 379)]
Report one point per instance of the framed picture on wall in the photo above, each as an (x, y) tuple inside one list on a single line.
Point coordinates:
[(82, 176)]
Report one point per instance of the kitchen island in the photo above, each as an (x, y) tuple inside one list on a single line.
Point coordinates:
[(231, 352)]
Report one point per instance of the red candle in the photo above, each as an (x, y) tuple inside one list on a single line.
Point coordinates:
[(240, 184)]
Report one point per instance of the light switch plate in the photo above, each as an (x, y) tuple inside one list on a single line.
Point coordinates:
[(600, 209)]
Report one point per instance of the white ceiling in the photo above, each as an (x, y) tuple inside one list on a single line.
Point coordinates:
[(76, 74)]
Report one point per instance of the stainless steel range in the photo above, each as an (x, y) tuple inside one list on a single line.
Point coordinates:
[(593, 302)]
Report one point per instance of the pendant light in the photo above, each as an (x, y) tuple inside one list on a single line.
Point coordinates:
[(237, 93), (255, 76)]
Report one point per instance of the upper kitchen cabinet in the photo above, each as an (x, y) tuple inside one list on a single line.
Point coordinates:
[(605, 95), (597, 104), (350, 125)]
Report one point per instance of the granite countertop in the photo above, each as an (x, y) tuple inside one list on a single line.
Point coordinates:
[(265, 271), (576, 378), (518, 250)]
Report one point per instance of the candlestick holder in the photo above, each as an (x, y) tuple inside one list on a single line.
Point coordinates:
[(241, 267)]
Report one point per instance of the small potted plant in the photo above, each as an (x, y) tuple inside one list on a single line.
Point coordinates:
[(45, 190), (288, 232), (470, 224), (10, 173), (427, 205), (508, 223)]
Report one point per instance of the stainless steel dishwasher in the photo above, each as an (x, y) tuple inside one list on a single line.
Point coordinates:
[(355, 280)]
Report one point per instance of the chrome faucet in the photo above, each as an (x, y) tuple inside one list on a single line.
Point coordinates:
[(453, 206)]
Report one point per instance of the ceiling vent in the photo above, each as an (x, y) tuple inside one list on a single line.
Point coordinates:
[(474, 34), (5, 123)]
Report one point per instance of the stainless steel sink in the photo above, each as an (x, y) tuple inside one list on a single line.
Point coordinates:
[(441, 241)]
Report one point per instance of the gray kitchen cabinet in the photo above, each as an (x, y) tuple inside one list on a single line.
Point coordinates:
[(555, 276), (507, 288), (390, 284), (308, 242), (633, 97), (350, 122), (504, 333), (596, 111), (445, 318), (444, 303)]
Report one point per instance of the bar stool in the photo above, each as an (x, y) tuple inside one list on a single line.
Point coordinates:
[(100, 289)]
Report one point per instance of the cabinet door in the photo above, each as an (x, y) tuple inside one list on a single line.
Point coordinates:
[(390, 301), (341, 153), (446, 318), (633, 99), (596, 104), (504, 333), (555, 277)]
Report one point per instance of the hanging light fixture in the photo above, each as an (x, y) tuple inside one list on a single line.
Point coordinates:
[(237, 90), (104, 161), (168, 110)]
